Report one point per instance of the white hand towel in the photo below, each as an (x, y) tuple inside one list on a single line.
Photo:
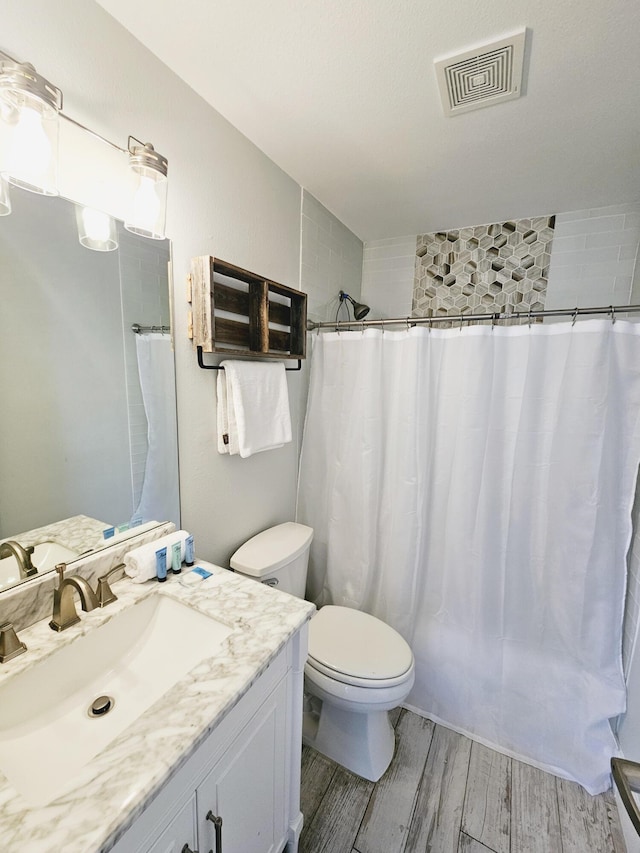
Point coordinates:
[(140, 564), (257, 407)]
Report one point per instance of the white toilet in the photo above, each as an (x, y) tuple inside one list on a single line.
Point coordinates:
[(358, 667)]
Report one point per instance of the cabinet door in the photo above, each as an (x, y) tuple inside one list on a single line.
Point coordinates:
[(246, 788), (181, 831)]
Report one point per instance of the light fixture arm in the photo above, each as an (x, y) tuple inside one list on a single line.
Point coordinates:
[(93, 133)]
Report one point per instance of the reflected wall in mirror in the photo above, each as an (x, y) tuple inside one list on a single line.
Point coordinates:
[(88, 430)]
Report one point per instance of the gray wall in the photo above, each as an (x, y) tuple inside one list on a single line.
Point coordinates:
[(226, 198)]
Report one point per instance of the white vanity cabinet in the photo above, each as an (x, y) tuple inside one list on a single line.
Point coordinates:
[(246, 788), (182, 830), (246, 772)]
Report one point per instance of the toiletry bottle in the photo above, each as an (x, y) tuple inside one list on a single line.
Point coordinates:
[(161, 564), (176, 558), (188, 550)]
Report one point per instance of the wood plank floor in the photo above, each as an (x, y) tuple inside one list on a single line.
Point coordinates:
[(446, 794)]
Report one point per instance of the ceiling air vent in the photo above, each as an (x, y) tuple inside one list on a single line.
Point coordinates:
[(482, 76)]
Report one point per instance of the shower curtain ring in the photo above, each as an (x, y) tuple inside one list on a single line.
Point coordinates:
[(575, 317), (613, 314), (530, 310)]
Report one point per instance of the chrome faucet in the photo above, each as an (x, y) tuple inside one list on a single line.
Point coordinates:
[(64, 608), (10, 548)]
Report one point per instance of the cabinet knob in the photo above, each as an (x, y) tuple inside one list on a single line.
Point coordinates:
[(217, 822)]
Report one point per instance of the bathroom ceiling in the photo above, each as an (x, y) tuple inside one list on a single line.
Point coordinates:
[(342, 95)]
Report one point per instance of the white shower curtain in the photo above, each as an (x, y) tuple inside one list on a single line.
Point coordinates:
[(160, 500), (473, 488)]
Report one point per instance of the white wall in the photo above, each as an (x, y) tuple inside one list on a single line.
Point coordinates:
[(225, 198), (387, 276)]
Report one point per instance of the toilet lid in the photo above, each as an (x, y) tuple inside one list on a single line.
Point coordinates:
[(354, 643)]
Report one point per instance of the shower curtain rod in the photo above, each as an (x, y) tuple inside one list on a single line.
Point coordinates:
[(473, 318), (137, 329)]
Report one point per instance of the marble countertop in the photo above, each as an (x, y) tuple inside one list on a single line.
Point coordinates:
[(122, 779)]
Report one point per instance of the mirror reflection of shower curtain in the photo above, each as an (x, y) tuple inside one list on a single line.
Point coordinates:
[(473, 489), (160, 499)]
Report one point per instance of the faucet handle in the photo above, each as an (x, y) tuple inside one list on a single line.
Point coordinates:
[(60, 569), (10, 645), (104, 592)]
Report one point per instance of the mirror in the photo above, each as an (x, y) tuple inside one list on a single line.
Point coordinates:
[(83, 437)]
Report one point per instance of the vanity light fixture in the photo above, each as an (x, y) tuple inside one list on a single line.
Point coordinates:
[(29, 110), (148, 210), (96, 229), (5, 198)]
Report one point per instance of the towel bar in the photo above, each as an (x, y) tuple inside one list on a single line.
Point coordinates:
[(219, 367)]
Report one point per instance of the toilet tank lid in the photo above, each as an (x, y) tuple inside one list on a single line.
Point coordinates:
[(273, 548)]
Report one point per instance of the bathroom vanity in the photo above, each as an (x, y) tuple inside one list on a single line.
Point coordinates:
[(211, 763)]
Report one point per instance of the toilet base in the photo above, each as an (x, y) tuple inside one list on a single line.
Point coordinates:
[(362, 742)]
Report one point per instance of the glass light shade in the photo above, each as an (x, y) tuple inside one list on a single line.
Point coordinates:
[(148, 210), (96, 230), (29, 108), (5, 198)]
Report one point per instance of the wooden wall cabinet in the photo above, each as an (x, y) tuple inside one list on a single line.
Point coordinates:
[(237, 312)]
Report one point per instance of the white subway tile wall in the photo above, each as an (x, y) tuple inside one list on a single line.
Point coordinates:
[(387, 276), (330, 260), (593, 257), (145, 300)]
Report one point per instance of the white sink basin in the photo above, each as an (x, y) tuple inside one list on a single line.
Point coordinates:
[(44, 557), (47, 738)]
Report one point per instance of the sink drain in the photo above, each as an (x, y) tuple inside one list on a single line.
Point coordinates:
[(101, 706)]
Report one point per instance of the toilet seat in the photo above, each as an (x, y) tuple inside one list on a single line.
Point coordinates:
[(313, 666), (357, 649)]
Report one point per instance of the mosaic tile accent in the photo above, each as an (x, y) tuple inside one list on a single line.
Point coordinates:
[(487, 268)]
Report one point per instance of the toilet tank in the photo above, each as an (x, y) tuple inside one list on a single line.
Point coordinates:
[(278, 556)]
